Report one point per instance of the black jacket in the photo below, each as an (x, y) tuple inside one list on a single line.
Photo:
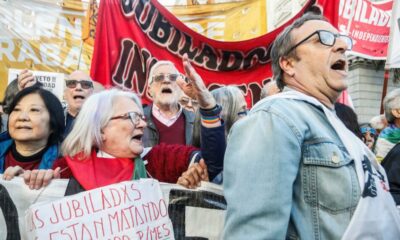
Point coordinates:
[(391, 164)]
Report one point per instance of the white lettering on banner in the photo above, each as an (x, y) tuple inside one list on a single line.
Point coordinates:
[(50, 54), (215, 29), (35, 24), (26, 52), (7, 46), (44, 26), (365, 12), (361, 35), (72, 57), (128, 210), (65, 26), (195, 26)]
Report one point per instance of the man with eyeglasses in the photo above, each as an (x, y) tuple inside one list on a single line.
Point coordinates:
[(292, 170), (78, 87), (167, 121)]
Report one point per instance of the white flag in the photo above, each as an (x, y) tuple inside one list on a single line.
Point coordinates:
[(393, 57)]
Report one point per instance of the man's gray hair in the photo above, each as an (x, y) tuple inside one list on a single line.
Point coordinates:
[(283, 43), (95, 114), (157, 65), (391, 101)]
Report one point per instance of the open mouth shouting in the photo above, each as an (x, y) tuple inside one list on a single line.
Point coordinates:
[(340, 66), (166, 90), (137, 137), (79, 97)]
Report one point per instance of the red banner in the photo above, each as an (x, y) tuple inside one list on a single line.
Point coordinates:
[(368, 24), (132, 35)]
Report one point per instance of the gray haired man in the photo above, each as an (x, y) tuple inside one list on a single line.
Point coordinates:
[(292, 170)]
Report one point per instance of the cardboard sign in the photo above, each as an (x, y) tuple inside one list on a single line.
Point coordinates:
[(54, 82), (127, 210)]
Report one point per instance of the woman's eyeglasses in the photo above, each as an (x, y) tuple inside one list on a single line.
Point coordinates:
[(133, 116)]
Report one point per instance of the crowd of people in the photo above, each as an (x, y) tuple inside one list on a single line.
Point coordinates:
[(298, 165)]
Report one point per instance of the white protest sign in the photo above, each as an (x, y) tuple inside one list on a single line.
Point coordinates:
[(194, 213), (123, 211), (54, 82), (16, 197)]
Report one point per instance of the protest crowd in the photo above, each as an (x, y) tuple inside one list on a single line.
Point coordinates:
[(296, 165)]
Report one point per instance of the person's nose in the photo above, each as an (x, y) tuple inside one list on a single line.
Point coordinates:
[(189, 104), (142, 124), (340, 45), (78, 87), (23, 116)]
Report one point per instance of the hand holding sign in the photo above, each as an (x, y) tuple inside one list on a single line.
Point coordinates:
[(25, 79), (195, 87), (11, 172), (35, 179), (196, 173)]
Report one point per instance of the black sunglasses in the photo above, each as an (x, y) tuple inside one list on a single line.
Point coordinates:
[(326, 38), (85, 84)]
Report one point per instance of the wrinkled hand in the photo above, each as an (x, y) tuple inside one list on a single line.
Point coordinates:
[(192, 177), (36, 179), (25, 79), (195, 87), (11, 172)]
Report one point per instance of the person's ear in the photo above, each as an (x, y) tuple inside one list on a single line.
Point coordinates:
[(396, 113), (286, 64), (150, 91), (103, 136)]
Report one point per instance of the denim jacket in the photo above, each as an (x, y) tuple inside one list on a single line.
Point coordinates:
[(287, 175)]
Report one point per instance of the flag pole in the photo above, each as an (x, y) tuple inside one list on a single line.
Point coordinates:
[(384, 88), (80, 55), (393, 57)]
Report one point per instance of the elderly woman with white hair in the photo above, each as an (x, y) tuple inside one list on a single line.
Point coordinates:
[(105, 145)]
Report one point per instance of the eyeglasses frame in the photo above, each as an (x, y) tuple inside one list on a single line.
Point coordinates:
[(79, 82), (336, 35), (135, 117)]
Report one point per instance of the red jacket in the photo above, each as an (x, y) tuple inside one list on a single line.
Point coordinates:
[(165, 162)]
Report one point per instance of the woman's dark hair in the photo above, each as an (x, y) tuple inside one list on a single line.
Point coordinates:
[(11, 91), (349, 118), (54, 107)]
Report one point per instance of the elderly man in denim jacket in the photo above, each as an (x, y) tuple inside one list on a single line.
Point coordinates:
[(287, 173)]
